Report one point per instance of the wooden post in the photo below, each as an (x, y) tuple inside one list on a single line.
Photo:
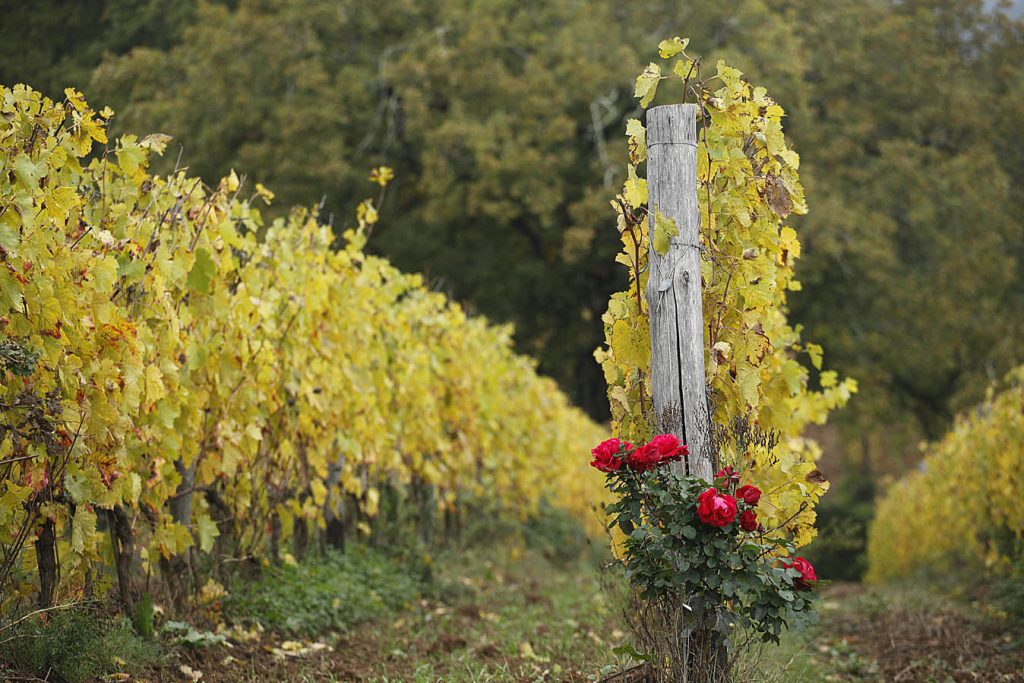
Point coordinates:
[(674, 286)]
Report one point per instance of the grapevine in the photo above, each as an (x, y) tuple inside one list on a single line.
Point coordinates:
[(748, 186), (210, 382)]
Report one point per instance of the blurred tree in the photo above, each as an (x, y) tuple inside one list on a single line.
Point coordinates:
[(52, 44), (913, 276)]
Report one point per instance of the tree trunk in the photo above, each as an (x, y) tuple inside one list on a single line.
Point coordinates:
[(122, 543), (46, 562)]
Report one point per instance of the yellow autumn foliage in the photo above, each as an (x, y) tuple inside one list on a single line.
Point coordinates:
[(160, 342), (962, 506)]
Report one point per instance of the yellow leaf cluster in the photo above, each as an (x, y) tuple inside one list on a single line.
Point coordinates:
[(962, 505)]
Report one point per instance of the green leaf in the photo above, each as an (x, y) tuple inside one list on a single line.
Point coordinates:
[(144, 617), (202, 273), (629, 650), (10, 238), (131, 157), (130, 269), (28, 172), (208, 531)]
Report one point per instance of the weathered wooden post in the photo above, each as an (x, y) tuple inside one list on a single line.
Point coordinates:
[(674, 285)]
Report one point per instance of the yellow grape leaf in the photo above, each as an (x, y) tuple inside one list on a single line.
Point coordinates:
[(630, 345), (671, 47), (266, 195), (156, 142), (647, 84), (382, 175), (793, 374), (83, 529), (664, 230), (319, 491), (76, 99), (637, 135), (372, 501), (366, 213), (635, 189), (155, 389), (749, 380), (815, 352)]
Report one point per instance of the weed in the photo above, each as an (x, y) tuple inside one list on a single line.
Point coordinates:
[(329, 593), (77, 644)]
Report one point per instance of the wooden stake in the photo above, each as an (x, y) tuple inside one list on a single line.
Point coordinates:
[(674, 285)]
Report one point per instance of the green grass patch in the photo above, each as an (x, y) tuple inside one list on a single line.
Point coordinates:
[(328, 593), (75, 644)]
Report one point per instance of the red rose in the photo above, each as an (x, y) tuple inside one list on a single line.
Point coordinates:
[(728, 474), (668, 447), (643, 458), (606, 455), (715, 508), (749, 494), (807, 576), (662, 448), (748, 520)]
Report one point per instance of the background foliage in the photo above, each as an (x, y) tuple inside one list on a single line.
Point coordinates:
[(504, 123)]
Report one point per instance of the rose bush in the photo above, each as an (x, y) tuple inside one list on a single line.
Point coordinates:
[(606, 455), (751, 495), (699, 544)]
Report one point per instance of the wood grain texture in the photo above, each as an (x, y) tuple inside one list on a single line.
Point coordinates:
[(674, 286)]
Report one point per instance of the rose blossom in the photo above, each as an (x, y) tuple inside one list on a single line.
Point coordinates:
[(716, 508), (749, 494), (606, 455), (728, 474), (807, 576), (748, 520), (662, 448)]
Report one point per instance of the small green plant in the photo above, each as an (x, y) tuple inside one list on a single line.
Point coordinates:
[(76, 644), (332, 592), (183, 633)]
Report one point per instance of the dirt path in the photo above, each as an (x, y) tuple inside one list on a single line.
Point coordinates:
[(896, 635)]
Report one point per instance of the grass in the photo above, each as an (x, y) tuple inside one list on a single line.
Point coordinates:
[(528, 606), (505, 615), (325, 594), (76, 645), (904, 633)]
